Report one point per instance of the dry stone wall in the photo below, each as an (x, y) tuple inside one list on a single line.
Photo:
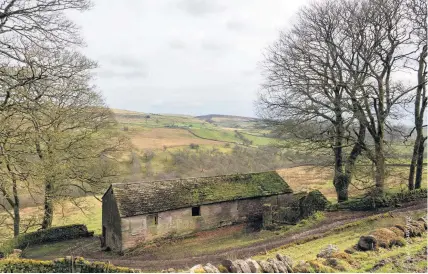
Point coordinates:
[(280, 264)]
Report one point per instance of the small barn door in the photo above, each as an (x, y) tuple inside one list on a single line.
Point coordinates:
[(103, 239)]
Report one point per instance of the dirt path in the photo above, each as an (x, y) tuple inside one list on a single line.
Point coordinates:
[(149, 261)]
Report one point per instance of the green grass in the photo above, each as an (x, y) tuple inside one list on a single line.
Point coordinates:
[(343, 237), (89, 213), (259, 140), (369, 259), (216, 134)]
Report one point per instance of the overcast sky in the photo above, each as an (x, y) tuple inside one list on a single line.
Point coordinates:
[(182, 56)]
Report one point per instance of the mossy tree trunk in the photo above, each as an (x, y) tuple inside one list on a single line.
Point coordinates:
[(48, 206), (16, 211)]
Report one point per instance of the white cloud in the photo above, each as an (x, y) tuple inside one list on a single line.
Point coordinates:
[(182, 56), (200, 7)]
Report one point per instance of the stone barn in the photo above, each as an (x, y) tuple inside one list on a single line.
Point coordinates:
[(134, 213)]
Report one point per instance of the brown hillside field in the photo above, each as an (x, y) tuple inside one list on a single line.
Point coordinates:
[(308, 178), (157, 138)]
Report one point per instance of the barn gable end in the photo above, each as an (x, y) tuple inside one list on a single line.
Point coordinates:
[(111, 222)]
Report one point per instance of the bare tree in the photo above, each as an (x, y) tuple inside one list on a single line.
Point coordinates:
[(11, 167), (31, 34), (418, 15), (305, 89), (378, 41), (74, 138)]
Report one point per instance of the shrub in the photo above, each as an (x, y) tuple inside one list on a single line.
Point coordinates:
[(194, 146), (372, 202), (53, 234), (63, 265)]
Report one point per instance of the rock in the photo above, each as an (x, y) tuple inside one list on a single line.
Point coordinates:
[(243, 265), (411, 230), (367, 243), (397, 231), (273, 265), (222, 268), (254, 266), (327, 251), (16, 253), (171, 270), (287, 261), (380, 264), (231, 266), (197, 269), (420, 227), (385, 238), (209, 268), (350, 250), (303, 267), (424, 221), (401, 227), (266, 267), (319, 267), (289, 267), (333, 262), (282, 267), (285, 258)]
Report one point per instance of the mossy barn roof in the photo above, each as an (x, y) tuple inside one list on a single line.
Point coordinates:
[(150, 197)]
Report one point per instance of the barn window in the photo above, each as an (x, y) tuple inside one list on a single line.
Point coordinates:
[(153, 219), (196, 211)]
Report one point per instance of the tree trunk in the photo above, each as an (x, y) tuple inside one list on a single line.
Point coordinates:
[(420, 164), (411, 184), (344, 180), (16, 212), (14, 202), (380, 166), (420, 105), (341, 183), (48, 206)]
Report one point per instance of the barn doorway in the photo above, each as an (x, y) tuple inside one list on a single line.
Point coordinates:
[(196, 211)]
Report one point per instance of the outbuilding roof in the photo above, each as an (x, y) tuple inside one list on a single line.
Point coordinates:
[(141, 198)]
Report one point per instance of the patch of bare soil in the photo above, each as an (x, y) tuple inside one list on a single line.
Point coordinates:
[(148, 262)]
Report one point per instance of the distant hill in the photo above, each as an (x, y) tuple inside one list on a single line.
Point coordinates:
[(232, 117)]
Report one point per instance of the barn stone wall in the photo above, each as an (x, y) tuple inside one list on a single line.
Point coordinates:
[(111, 223), (142, 228)]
